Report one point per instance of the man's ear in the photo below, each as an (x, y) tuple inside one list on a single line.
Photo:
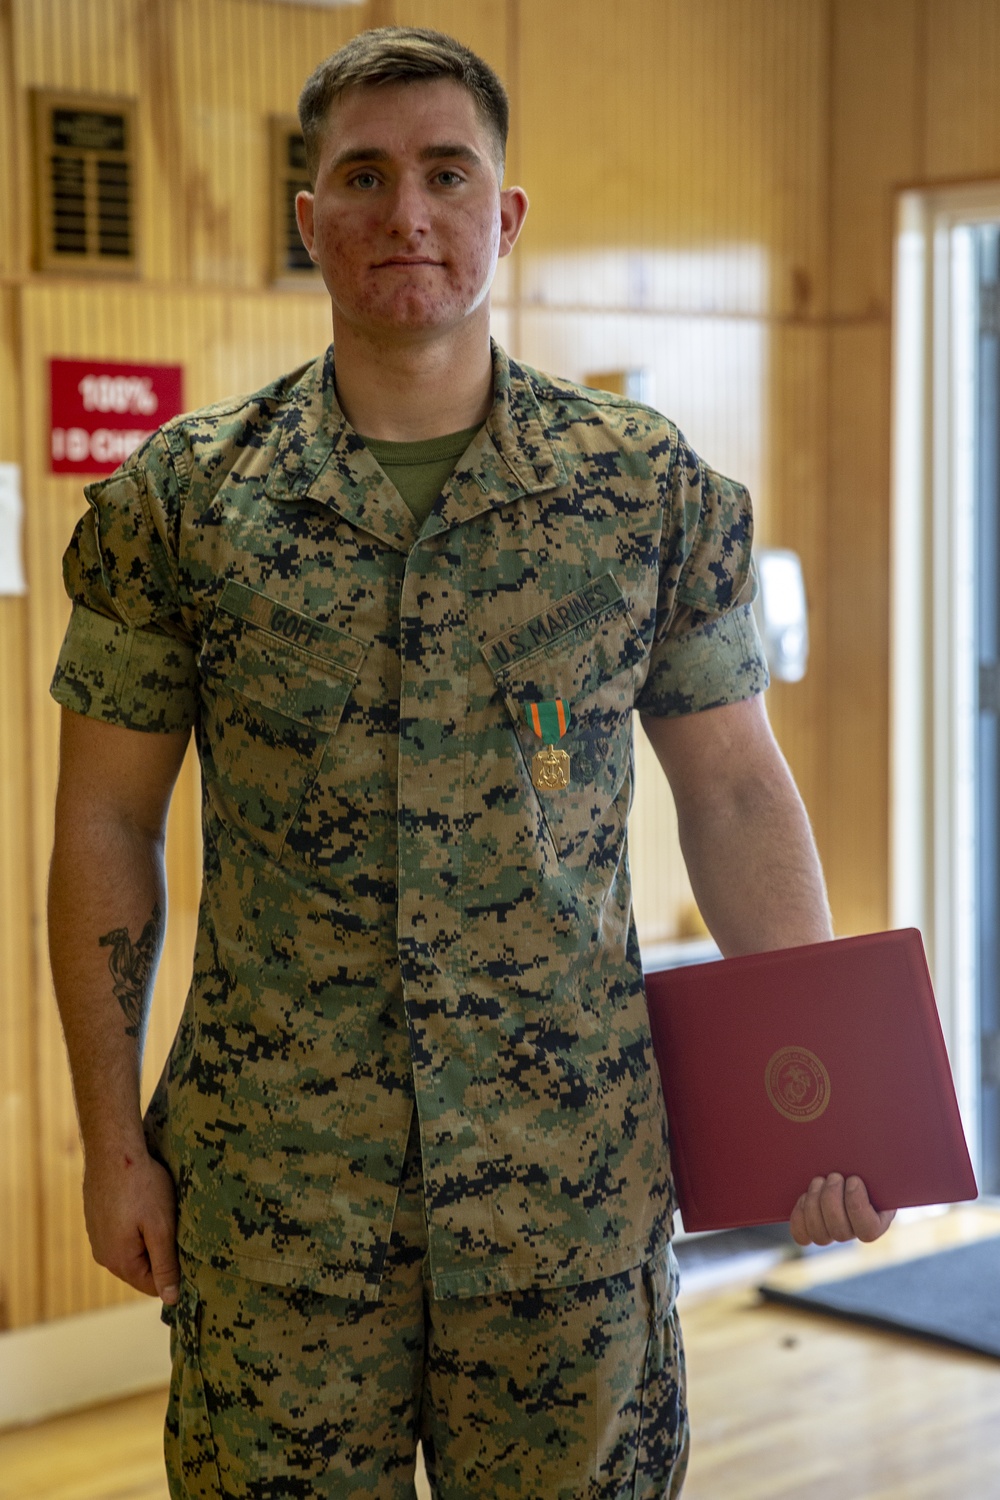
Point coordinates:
[(304, 219), (513, 211)]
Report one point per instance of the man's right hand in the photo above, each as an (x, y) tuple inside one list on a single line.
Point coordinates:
[(131, 1215)]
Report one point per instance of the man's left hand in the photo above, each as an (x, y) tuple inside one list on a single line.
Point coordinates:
[(833, 1209)]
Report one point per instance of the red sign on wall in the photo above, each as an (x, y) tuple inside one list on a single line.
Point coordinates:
[(101, 412)]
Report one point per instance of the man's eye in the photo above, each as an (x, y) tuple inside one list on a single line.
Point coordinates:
[(448, 178), (364, 180)]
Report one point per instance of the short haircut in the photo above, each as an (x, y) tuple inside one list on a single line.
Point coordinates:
[(400, 54)]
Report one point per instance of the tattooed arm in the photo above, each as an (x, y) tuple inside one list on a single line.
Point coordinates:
[(106, 918)]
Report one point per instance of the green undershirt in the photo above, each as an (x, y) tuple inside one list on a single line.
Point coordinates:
[(421, 470)]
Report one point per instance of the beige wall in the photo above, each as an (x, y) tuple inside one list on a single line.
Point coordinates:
[(712, 185)]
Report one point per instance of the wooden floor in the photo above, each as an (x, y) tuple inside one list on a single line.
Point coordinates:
[(785, 1405)]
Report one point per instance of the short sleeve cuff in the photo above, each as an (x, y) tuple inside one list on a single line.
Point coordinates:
[(720, 662), (138, 679)]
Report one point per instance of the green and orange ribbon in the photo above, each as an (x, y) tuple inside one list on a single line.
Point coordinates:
[(550, 720)]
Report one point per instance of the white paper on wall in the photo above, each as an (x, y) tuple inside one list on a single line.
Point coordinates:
[(12, 579)]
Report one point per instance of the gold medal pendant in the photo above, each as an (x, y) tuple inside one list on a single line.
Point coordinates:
[(550, 770), (549, 766)]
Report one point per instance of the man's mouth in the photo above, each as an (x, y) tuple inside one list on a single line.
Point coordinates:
[(408, 260)]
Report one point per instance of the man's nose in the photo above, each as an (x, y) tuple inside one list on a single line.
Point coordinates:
[(407, 213)]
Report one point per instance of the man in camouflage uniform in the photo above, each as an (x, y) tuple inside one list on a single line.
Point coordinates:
[(408, 598)]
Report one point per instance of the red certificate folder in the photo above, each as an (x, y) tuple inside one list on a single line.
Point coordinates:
[(780, 1067)]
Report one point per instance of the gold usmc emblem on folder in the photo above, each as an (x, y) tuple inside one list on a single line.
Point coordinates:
[(797, 1083)]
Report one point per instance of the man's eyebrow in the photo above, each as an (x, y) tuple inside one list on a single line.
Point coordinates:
[(359, 153), (446, 151)]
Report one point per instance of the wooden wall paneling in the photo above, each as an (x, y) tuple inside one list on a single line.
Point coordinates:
[(791, 511), (795, 516), (10, 194), (692, 135), (591, 109), (480, 24), (758, 72), (225, 170), (207, 74), (241, 343), (86, 46), (877, 105), (77, 44), (166, 214), (19, 1227), (962, 111), (858, 627), (237, 63), (19, 1221), (794, 145)]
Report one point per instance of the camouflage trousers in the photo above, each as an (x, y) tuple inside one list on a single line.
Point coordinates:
[(573, 1393)]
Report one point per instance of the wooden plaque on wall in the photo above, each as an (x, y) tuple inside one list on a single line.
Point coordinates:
[(289, 175), (85, 183)]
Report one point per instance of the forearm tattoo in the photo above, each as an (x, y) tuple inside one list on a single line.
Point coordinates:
[(131, 965)]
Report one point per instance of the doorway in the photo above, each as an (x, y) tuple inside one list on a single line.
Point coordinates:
[(985, 257), (946, 627)]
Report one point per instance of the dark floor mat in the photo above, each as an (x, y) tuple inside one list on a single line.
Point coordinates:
[(952, 1296)]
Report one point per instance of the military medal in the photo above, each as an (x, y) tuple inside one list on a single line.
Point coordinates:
[(550, 767)]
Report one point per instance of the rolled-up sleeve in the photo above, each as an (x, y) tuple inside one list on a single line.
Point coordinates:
[(706, 650), (126, 656)]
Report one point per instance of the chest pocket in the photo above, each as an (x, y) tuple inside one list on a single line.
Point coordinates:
[(274, 686), (586, 651)]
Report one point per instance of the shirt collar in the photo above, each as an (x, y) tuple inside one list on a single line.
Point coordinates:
[(321, 458)]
